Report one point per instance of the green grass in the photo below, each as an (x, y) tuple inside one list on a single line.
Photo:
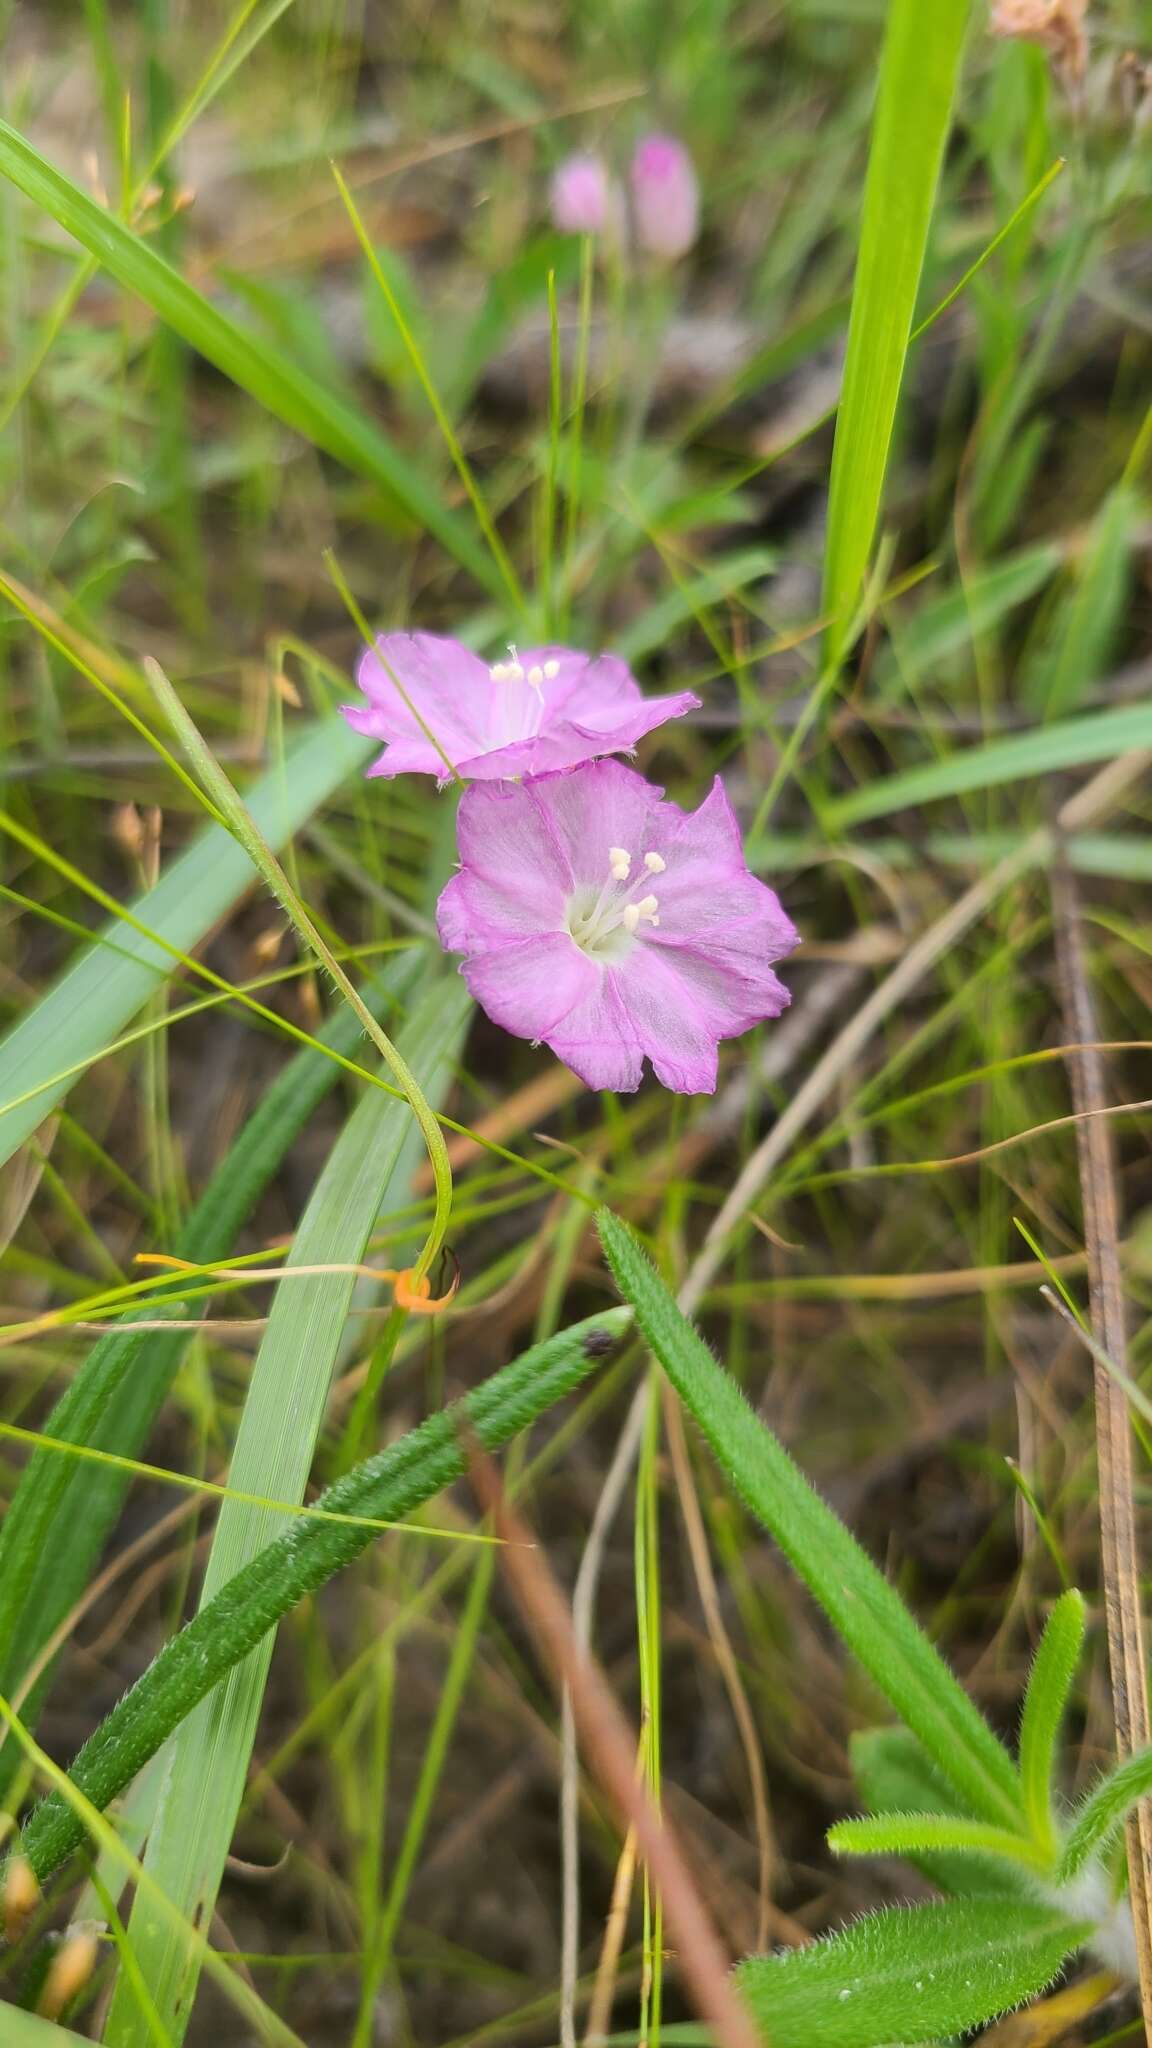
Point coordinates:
[(869, 472)]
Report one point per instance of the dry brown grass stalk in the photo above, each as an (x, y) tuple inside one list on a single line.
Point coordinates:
[(1120, 1560), (611, 1746)]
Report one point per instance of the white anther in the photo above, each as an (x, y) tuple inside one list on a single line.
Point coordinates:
[(498, 671), (630, 916), (535, 675), (620, 863), (648, 906), (514, 672), (655, 863), (551, 669)]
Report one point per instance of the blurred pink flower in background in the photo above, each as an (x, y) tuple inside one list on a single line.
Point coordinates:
[(665, 197), (612, 926), (583, 198), (1058, 25), (441, 708)]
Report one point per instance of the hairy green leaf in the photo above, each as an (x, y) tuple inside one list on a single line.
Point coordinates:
[(895, 1775), (1102, 1814), (1049, 1684), (913, 1973), (317, 1544), (908, 1834)]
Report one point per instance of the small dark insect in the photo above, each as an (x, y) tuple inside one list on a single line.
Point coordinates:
[(598, 1343)]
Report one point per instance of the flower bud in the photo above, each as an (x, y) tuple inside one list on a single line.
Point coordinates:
[(21, 1896), (665, 197), (581, 195)]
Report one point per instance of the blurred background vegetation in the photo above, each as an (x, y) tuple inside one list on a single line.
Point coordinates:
[(395, 1875)]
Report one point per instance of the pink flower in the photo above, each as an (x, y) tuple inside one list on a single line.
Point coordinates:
[(665, 197), (612, 925), (582, 196), (434, 702)]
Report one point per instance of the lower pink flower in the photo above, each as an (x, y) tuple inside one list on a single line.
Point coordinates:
[(612, 926)]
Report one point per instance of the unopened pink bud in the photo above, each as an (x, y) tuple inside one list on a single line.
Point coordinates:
[(581, 195), (665, 197)]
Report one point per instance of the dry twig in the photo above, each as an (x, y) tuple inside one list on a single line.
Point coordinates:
[(611, 1750), (1120, 1561)]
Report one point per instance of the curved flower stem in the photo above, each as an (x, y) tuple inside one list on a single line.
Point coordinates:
[(236, 817)]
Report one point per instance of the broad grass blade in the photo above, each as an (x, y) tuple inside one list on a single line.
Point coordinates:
[(325, 420), (1073, 743), (209, 1758), (918, 74), (97, 996), (23, 2030)]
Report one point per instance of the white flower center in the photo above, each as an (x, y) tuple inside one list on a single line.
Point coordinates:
[(606, 922)]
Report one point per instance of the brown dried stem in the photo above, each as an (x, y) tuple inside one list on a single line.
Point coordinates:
[(1120, 1563), (610, 1747)]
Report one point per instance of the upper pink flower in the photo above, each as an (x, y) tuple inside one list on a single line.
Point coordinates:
[(584, 199), (665, 197), (436, 703), (612, 925)]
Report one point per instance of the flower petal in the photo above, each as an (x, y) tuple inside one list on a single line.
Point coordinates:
[(597, 806), (676, 1023), (597, 1039), (531, 988), (694, 965), (447, 685)]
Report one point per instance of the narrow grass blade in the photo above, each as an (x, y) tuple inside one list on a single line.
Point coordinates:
[(1120, 854), (1049, 1685), (946, 625), (499, 553), (1071, 744), (113, 1408), (1087, 623), (96, 997), (918, 73), (310, 1551), (870, 1617), (273, 1455), (325, 420)]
